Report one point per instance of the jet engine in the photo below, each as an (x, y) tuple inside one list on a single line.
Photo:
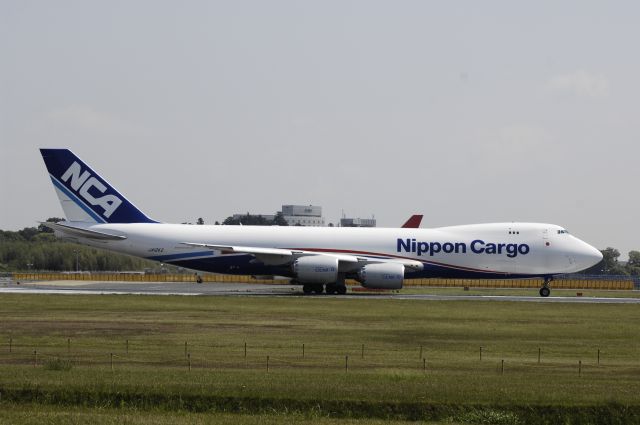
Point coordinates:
[(381, 276), (316, 269)]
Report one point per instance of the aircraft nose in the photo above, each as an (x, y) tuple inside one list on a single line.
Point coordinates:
[(587, 256), (597, 255)]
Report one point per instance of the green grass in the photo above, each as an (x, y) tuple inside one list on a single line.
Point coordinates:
[(38, 414), (56, 363), (387, 382)]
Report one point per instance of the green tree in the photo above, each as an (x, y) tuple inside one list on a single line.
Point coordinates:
[(279, 219), (231, 221), (610, 264), (28, 233), (247, 220), (633, 265)]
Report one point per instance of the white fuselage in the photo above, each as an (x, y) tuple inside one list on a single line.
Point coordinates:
[(480, 250)]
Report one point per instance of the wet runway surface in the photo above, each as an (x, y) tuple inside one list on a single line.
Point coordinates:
[(252, 289)]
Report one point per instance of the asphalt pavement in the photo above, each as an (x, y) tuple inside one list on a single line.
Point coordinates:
[(253, 289)]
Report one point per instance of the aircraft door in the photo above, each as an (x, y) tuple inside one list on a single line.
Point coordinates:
[(546, 245)]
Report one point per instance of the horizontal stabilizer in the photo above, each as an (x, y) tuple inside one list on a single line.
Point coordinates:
[(82, 233)]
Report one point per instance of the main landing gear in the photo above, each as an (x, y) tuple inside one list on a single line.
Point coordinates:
[(336, 288), (312, 288), (330, 288), (545, 290)]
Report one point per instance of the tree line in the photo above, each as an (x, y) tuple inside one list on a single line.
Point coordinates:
[(256, 220), (36, 248), (248, 220)]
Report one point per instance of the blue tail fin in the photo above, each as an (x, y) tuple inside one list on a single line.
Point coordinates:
[(84, 195)]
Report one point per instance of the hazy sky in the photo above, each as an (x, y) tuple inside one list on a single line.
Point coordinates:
[(464, 111)]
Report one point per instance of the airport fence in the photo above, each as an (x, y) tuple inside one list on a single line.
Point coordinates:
[(125, 354), (561, 282)]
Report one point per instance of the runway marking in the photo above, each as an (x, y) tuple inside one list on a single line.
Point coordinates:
[(87, 292), (524, 298), (110, 288)]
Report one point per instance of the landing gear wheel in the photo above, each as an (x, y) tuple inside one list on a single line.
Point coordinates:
[(331, 288), (545, 290), (198, 279), (340, 286), (317, 289), (307, 289)]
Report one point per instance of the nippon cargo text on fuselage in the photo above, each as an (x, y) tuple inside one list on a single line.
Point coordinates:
[(477, 246)]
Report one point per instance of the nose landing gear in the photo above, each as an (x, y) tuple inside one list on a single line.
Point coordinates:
[(545, 290)]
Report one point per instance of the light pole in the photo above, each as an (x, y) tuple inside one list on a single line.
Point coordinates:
[(77, 260)]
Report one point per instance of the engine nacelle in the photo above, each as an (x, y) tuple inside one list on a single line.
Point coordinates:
[(382, 276), (316, 269)]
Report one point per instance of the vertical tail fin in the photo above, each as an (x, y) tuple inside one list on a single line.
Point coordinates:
[(413, 222), (84, 195)]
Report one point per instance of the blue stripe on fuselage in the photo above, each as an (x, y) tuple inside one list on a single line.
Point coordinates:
[(182, 255)]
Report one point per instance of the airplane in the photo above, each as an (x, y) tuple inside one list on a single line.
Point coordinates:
[(318, 258)]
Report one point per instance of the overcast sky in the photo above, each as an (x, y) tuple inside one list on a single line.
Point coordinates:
[(464, 111)]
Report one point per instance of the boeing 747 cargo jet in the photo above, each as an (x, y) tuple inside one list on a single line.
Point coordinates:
[(318, 258)]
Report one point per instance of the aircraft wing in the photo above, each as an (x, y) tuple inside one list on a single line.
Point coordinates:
[(276, 252), (245, 249), (284, 256)]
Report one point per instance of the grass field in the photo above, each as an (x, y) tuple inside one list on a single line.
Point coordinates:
[(384, 377), (54, 415)]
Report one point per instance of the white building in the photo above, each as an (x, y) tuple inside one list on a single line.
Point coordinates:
[(357, 222), (303, 215), (294, 215)]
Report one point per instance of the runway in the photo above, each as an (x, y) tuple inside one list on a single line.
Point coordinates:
[(252, 289)]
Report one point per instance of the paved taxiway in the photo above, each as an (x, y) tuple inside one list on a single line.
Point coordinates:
[(252, 289)]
